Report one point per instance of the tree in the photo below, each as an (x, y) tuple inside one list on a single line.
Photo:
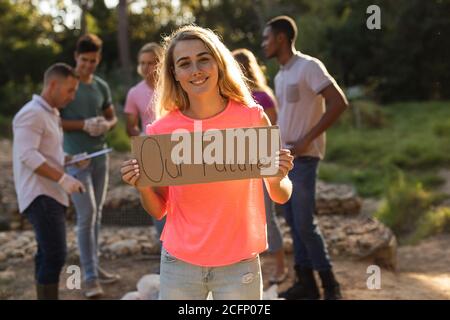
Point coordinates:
[(123, 40)]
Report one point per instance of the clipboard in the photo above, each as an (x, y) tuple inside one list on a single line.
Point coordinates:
[(89, 156)]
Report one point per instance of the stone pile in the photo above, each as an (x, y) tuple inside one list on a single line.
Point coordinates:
[(337, 199), (115, 242)]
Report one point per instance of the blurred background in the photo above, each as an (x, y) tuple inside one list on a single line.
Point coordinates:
[(393, 145)]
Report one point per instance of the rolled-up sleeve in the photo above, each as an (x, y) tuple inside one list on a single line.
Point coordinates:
[(28, 131)]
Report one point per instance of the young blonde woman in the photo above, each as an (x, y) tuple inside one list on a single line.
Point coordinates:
[(214, 232), (264, 96)]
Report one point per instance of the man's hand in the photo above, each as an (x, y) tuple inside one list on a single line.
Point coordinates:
[(96, 126), (91, 126), (70, 184), (298, 148), (103, 125), (81, 164)]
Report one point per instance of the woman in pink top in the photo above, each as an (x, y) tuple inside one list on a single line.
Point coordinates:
[(214, 231), (139, 103)]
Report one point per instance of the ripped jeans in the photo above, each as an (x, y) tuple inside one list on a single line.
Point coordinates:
[(183, 281)]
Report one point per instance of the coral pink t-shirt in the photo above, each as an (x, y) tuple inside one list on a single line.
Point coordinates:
[(219, 223), (139, 103)]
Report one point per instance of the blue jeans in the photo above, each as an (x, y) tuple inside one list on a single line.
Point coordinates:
[(48, 218), (274, 236), (184, 281), (159, 225), (88, 207), (309, 247)]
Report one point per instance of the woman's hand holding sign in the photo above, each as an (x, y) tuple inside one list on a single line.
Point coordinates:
[(130, 172)]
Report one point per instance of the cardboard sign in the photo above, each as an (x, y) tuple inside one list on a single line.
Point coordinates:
[(206, 156)]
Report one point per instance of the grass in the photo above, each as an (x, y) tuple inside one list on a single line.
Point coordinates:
[(434, 221), (395, 158), (413, 137)]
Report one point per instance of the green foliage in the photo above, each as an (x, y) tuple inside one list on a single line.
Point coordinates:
[(404, 60), (404, 205), (5, 127), (435, 221), (442, 129), (15, 94), (406, 140), (369, 182), (364, 114), (26, 50), (118, 138)]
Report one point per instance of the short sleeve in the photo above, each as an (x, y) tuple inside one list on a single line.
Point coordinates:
[(130, 105), (106, 92), (264, 100), (317, 76), (150, 129), (108, 98), (257, 115)]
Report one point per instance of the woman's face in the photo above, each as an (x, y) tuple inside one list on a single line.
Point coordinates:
[(147, 64), (195, 68)]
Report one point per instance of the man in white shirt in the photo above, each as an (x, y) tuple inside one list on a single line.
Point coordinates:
[(303, 87), (41, 185)]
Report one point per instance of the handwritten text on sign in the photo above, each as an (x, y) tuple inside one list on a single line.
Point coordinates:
[(206, 156)]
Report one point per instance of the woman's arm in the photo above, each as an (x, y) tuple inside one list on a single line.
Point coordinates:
[(279, 187), (153, 199)]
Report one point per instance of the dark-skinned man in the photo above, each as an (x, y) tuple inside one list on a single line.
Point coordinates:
[(310, 101)]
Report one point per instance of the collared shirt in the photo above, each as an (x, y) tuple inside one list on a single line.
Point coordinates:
[(298, 84), (38, 138)]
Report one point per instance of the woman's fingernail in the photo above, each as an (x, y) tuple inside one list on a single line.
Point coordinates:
[(134, 160), (277, 153), (136, 166), (136, 170)]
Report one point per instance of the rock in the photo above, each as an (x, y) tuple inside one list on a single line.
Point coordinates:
[(271, 293), (148, 287), (3, 257), (360, 238), (336, 199), (149, 248), (124, 247), (134, 295), (6, 276)]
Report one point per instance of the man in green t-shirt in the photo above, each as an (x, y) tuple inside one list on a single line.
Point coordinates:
[(85, 121)]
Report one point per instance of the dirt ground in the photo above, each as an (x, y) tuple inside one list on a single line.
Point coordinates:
[(423, 273)]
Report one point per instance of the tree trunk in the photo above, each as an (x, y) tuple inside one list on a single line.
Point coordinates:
[(123, 41), (84, 6)]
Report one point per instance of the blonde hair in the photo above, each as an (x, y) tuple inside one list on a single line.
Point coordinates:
[(152, 47), (169, 94), (253, 72)]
